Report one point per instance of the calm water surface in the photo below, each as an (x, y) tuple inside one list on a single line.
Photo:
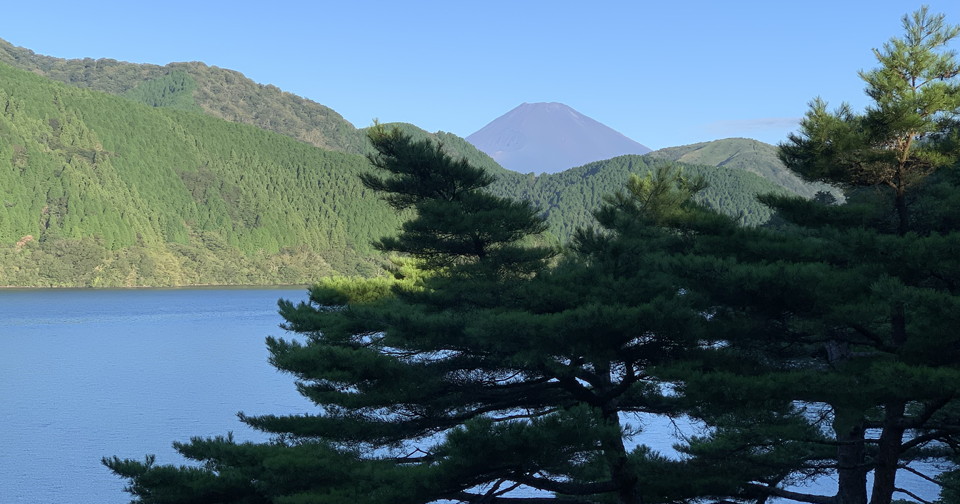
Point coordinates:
[(92, 373)]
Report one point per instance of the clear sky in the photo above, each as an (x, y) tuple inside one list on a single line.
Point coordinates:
[(663, 73)]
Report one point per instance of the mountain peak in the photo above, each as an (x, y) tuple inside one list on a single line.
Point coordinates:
[(548, 137)]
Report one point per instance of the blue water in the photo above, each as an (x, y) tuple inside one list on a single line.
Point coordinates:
[(92, 373)]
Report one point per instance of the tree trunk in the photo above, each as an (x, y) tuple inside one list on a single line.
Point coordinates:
[(888, 454), (903, 217), (891, 438), (851, 474), (628, 491)]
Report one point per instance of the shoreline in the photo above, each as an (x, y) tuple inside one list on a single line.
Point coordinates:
[(8, 288)]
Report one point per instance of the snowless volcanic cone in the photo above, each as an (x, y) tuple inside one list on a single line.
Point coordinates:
[(548, 138)]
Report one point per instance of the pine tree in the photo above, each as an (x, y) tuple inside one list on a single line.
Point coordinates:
[(916, 99), (835, 347)]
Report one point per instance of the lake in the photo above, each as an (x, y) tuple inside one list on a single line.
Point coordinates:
[(92, 373)]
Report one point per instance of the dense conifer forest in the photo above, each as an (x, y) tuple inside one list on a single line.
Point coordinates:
[(569, 198)]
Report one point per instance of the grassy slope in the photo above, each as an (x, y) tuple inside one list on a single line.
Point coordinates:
[(743, 154)]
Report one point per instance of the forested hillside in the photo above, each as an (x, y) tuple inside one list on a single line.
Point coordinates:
[(99, 190), (219, 92), (222, 93), (569, 198), (230, 95)]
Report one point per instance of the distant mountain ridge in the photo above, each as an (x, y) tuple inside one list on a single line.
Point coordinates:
[(549, 138), (226, 94)]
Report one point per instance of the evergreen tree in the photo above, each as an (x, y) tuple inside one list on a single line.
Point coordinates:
[(835, 347), (895, 143)]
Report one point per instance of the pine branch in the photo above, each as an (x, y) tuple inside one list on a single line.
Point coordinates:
[(911, 494), (797, 496), (920, 474), (526, 415), (483, 499), (930, 436), (566, 488)]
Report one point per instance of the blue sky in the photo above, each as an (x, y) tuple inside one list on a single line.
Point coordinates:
[(662, 73)]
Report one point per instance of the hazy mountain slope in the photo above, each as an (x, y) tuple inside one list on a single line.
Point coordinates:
[(222, 93), (100, 190), (549, 138), (743, 154)]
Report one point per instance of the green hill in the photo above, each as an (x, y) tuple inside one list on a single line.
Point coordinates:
[(225, 94), (742, 154), (99, 190)]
